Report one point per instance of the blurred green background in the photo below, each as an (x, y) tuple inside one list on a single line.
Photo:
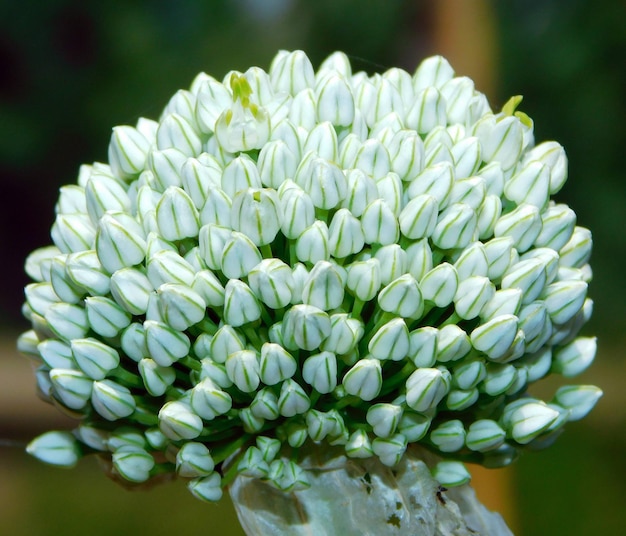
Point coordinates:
[(72, 69)]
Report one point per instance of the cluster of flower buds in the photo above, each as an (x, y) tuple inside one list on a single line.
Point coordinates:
[(321, 256)]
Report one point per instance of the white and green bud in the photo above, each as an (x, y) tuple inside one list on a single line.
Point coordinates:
[(320, 142), (156, 378), (211, 99), (499, 256), (435, 180), (324, 287), (564, 299), (345, 234), (578, 399), (72, 387), (575, 357), (440, 285), (335, 102), (94, 358), (390, 449), (484, 435), (523, 224), (449, 436), (451, 474), (85, 270), (472, 295), (460, 399), (177, 217), (165, 344), (488, 215), (194, 460), (426, 387), (305, 327), (112, 400), (118, 245), (240, 304), (127, 151), (322, 180), (133, 342), (553, 155), (242, 368), (276, 364), (131, 289), (469, 373), (291, 72), (364, 279), (320, 372), (577, 251), (319, 425), (529, 420), (499, 379), (455, 227), (208, 400), (313, 244), (265, 405), (208, 488), (406, 151), (361, 192), (379, 223), (178, 421), (359, 445), (298, 212), (256, 213), (253, 464), (419, 217), (529, 185), (133, 463), (67, 321), (73, 233), (393, 262), (391, 341), (55, 448), (292, 399), (423, 346), (419, 259), (402, 297), (384, 419), (105, 316), (495, 337), (452, 343), (345, 334), (179, 306), (472, 261), (504, 302), (364, 379)]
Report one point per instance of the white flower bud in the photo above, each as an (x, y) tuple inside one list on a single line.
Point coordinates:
[(578, 399), (103, 194), (529, 276), (256, 213), (423, 346), (166, 166), (94, 358), (335, 102), (199, 176), (451, 474), (466, 156), (209, 287), (373, 159), (312, 245), (495, 337), (393, 262), (484, 435), (361, 192), (440, 284), (212, 99), (469, 373), (558, 223), (529, 185), (305, 327), (504, 302), (179, 306), (406, 151), (364, 279), (433, 71), (71, 387), (426, 387), (71, 201), (501, 139), (553, 155), (452, 343), (133, 342), (460, 399), (574, 358), (292, 399), (523, 224), (390, 449), (272, 282), (498, 252), (127, 151), (276, 364), (428, 110), (265, 405), (364, 379), (252, 464), (67, 321), (322, 180), (455, 227), (320, 371), (391, 341), (472, 295), (177, 421), (488, 215), (111, 400), (240, 304), (359, 445), (345, 234), (291, 72), (165, 344), (55, 448), (194, 460), (323, 287), (302, 111), (269, 447), (40, 297), (564, 299), (449, 436), (436, 180), (211, 242), (242, 367), (240, 174), (118, 246), (472, 262), (54, 353), (175, 131), (298, 211), (345, 334), (402, 297), (276, 164), (37, 264), (211, 369), (105, 316), (131, 290), (209, 401), (133, 463), (384, 419), (458, 93), (239, 256), (577, 251), (379, 223), (208, 488), (176, 215), (319, 424), (419, 259), (155, 377), (419, 217), (529, 420)]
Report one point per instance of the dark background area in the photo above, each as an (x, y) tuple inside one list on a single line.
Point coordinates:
[(70, 70)]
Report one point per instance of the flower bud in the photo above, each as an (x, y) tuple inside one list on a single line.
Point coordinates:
[(133, 342), (373, 158), (84, 270), (105, 316), (419, 217), (553, 155), (211, 99), (469, 373), (529, 185), (240, 174), (209, 288), (529, 420), (127, 151), (71, 201), (176, 215), (67, 321), (390, 449), (276, 364), (305, 327), (391, 341), (291, 72), (323, 287), (345, 234), (452, 343), (564, 299), (73, 233), (298, 212), (118, 246), (426, 387), (436, 180), (449, 436), (54, 353), (402, 297), (265, 405), (55, 448), (94, 358), (335, 102), (472, 262), (578, 399), (451, 474), (208, 488), (484, 435), (180, 307), (472, 295), (320, 372), (242, 368), (359, 445), (364, 379), (455, 227), (501, 139), (379, 223), (428, 111), (156, 378), (240, 304), (499, 379), (272, 282), (165, 344), (364, 279), (177, 421), (312, 245), (252, 464), (292, 400), (199, 176), (574, 358), (72, 387), (103, 194), (423, 346), (495, 337), (302, 111), (522, 224), (406, 151), (194, 460), (384, 419), (167, 266), (577, 251), (319, 424), (209, 401), (361, 192), (256, 213), (440, 284), (498, 252), (504, 302), (111, 400), (529, 276), (133, 463)]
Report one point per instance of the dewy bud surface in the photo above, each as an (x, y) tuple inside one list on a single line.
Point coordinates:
[(298, 257)]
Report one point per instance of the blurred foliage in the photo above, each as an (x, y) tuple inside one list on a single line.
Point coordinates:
[(72, 69)]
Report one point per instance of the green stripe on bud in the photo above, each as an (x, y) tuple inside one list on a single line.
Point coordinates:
[(111, 400), (55, 448), (426, 387)]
